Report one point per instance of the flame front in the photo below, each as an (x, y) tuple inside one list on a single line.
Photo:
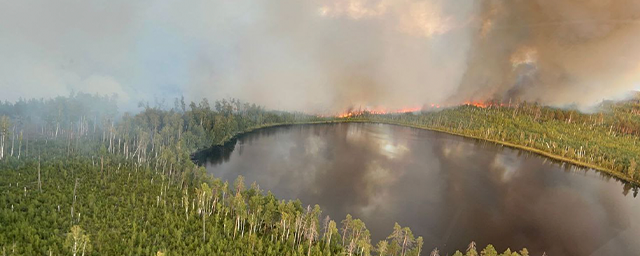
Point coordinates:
[(428, 107), (376, 111), (485, 104)]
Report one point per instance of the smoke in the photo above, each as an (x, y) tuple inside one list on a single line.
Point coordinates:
[(49, 48), (321, 56), (554, 52), (450, 190)]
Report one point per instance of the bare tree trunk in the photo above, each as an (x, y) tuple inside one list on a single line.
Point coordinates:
[(344, 234), (70, 137), (74, 198), (404, 243), (2, 147), (20, 145), (110, 142), (13, 139), (311, 234), (204, 231), (39, 181), (237, 226)]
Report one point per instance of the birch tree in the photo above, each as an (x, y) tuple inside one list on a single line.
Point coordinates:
[(4, 131), (78, 242), (381, 248)]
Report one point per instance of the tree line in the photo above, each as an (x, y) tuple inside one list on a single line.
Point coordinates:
[(607, 140), (92, 181)]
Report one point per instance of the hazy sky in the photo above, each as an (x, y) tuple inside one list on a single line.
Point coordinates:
[(322, 55)]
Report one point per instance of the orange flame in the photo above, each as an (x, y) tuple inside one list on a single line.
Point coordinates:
[(429, 107), (477, 104), (480, 104), (376, 111)]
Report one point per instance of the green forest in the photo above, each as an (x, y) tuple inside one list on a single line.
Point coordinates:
[(607, 140), (80, 178)]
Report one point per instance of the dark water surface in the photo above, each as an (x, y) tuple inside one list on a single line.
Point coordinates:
[(448, 189)]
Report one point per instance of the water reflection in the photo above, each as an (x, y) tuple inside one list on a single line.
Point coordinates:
[(448, 189)]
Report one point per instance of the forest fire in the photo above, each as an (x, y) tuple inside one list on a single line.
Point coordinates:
[(478, 104), (377, 111), (428, 107), (485, 104)]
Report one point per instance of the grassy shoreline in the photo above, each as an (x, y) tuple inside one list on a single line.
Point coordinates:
[(502, 143), (526, 148)]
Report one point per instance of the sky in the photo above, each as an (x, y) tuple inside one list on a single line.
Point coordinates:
[(322, 56)]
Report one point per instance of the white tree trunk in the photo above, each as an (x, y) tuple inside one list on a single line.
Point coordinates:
[(2, 147), (204, 231), (13, 139), (39, 182), (20, 145)]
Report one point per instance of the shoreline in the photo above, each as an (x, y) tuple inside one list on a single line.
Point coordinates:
[(539, 152)]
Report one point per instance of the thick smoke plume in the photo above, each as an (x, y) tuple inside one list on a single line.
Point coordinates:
[(322, 56), (554, 52)]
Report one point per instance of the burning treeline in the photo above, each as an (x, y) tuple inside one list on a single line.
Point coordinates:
[(428, 107), (557, 53), (606, 140), (332, 54), (375, 111), (625, 118)]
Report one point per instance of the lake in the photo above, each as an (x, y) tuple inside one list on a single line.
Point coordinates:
[(448, 189)]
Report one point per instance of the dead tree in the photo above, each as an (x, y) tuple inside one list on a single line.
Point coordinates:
[(39, 181)]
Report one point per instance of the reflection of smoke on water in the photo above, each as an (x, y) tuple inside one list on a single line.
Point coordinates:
[(448, 189), (524, 202)]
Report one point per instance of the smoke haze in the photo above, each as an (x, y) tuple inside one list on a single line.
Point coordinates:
[(322, 56), (554, 52)]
